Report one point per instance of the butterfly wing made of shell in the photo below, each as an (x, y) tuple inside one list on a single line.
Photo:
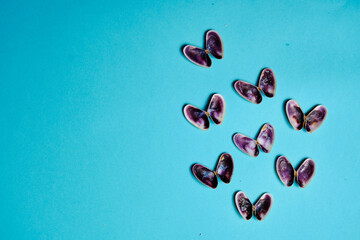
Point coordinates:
[(267, 82), (214, 44), (294, 114), (205, 175), (263, 206), (306, 172), (217, 108), (285, 171), (243, 205), (266, 137), (197, 55), (225, 167), (248, 91), (196, 117), (315, 118), (246, 144)]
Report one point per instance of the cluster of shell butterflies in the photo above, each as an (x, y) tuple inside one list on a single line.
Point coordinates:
[(265, 140)]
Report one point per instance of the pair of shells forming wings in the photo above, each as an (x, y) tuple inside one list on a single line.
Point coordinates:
[(266, 84), (311, 122), (200, 118), (224, 169), (213, 45), (287, 174), (260, 209), (265, 141)]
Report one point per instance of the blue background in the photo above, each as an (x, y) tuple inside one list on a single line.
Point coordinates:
[(94, 144)]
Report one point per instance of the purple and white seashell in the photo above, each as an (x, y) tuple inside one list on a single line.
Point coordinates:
[(266, 84), (214, 46), (200, 119), (261, 208), (248, 91), (266, 138), (287, 173), (224, 169), (311, 122), (265, 141)]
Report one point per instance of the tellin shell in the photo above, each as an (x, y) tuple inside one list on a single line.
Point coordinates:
[(267, 82), (214, 44), (197, 55), (217, 108), (248, 91), (205, 175), (197, 117)]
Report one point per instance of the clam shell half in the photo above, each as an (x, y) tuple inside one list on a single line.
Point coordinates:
[(248, 91), (263, 206), (305, 172), (266, 137), (315, 118), (217, 108), (243, 205), (267, 82), (246, 144), (197, 55), (225, 167), (205, 175), (214, 44), (196, 117), (294, 114), (285, 171)]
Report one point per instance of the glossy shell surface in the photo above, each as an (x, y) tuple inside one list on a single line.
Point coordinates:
[(263, 206), (294, 114), (214, 44), (266, 137), (243, 205), (225, 167), (267, 82), (248, 91), (306, 172), (197, 55), (315, 118), (197, 117), (285, 171), (246, 144), (205, 175), (217, 109)]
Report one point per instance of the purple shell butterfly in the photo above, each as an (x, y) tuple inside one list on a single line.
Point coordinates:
[(287, 174), (260, 209), (199, 118), (266, 84), (298, 120), (213, 45), (265, 141), (224, 170)]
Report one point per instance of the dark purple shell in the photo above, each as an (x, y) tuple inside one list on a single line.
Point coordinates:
[(315, 118), (266, 137), (267, 82), (246, 144), (197, 117), (197, 55), (243, 205), (263, 206), (306, 172), (225, 167), (217, 108), (248, 91), (205, 175), (294, 114), (214, 44), (285, 171)]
